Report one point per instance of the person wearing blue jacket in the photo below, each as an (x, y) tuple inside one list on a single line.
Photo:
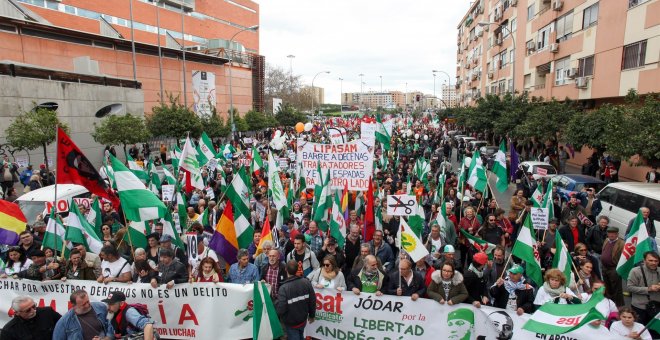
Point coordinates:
[(86, 320)]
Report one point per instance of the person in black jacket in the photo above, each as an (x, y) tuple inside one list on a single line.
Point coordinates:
[(399, 285), (513, 294), (296, 302), (171, 270), (568, 232), (273, 272), (475, 280), (29, 322)]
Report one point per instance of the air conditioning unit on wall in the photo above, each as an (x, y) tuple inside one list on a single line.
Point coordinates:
[(554, 48), (557, 5), (581, 83), (572, 73), (514, 3)]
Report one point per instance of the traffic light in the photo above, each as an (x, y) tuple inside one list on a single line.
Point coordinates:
[(417, 98)]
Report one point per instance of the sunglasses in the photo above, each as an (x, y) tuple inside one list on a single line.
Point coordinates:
[(29, 308), (327, 265)]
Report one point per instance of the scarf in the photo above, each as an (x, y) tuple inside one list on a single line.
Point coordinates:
[(553, 292), (479, 273), (328, 276), (511, 286)]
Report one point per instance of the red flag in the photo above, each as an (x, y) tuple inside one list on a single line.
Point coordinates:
[(369, 218), (74, 168)]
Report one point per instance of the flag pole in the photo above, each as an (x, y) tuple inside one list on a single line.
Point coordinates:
[(505, 264), (646, 327), (128, 231)]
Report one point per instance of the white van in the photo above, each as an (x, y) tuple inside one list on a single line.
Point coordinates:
[(33, 203), (621, 202)]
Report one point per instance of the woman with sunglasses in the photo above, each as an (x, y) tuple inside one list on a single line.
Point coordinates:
[(106, 233), (16, 263), (328, 275)]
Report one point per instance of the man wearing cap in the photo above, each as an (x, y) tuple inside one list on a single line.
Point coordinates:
[(126, 319), (475, 280), (609, 258), (449, 256), (513, 293), (37, 270), (330, 247), (29, 322), (460, 323), (166, 243)]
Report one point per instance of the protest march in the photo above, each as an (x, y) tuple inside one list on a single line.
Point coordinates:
[(371, 227)]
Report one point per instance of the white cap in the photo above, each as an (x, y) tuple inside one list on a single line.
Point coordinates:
[(449, 249)]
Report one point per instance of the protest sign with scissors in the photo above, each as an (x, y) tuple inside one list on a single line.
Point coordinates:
[(401, 205)]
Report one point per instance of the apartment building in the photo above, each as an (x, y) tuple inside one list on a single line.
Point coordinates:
[(587, 50), (449, 97), (374, 99)]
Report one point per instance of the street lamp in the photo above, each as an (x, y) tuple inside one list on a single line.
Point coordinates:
[(513, 62), (231, 97), (291, 56), (314, 92), (341, 95), (361, 93), (381, 83), (445, 73), (434, 96)]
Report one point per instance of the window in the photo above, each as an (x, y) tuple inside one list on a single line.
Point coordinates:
[(514, 25), (544, 35), (501, 87), (633, 3), (562, 67), (608, 195), (530, 12), (511, 89), (564, 26), (628, 200), (512, 57), (590, 16), (527, 80), (586, 66), (502, 58), (634, 55)]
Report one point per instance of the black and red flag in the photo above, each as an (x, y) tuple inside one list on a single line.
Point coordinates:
[(74, 168)]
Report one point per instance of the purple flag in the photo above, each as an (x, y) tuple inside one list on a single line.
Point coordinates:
[(514, 162)]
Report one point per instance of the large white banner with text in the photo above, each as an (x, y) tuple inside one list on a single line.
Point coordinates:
[(349, 163)]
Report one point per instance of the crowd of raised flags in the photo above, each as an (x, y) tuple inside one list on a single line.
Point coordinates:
[(200, 166)]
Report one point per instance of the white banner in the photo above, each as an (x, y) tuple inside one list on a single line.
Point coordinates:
[(337, 135), (168, 192), (401, 205), (63, 205), (203, 92), (368, 130), (366, 316), (539, 218), (187, 311), (350, 163)]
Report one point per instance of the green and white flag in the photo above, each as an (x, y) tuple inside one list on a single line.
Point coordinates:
[(537, 197), (80, 231), (204, 217), (190, 163), (552, 318), (137, 170), (136, 234), (182, 211), (322, 202), (266, 324), (479, 244), (138, 203), (562, 259), (477, 177), (440, 188), (499, 168), (410, 242), (109, 172), (154, 182), (55, 231), (421, 170), (383, 159), (637, 243), (654, 324), (416, 221), (94, 217), (526, 249), (169, 229), (171, 180), (338, 223), (258, 163), (381, 134), (205, 149), (275, 184), (547, 201), (239, 194)]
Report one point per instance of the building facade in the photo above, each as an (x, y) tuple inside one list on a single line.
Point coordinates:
[(374, 99), (586, 50), (318, 93), (449, 97)]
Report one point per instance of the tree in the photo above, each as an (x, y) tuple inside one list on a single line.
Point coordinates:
[(589, 128), (633, 130), (286, 86), (255, 120), (120, 130), (241, 124), (288, 116), (33, 129), (546, 121), (173, 120), (214, 124)]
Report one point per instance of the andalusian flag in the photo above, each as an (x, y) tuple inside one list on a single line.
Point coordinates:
[(169, 229), (136, 234), (639, 242), (338, 223), (94, 216), (655, 323), (138, 203), (409, 242), (547, 201), (537, 197), (257, 162), (205, 149), (266, 324), (171, 180), (322, 202), (55, 231), (526, 249), (190, 163), (477, 174), (275, 184), (479, 244), (381, 134), (421, 170), (499, 168), (182, 211), (562, 259), (552, 318), (137, 170), (239, 195), (80, 231)]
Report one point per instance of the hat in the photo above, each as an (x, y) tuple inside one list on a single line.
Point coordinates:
[(114, 297), (554, 221), (153, 235), (516, 269), (449, 249), (480, 258), (166, 238), (43, 166), (612, 230), (331, 240), (462, 314), (38, 252)]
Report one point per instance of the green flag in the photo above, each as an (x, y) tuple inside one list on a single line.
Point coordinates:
[(137, 170), (637, 243), (381, 134), (499, 168), (526, 249), (138, 203)]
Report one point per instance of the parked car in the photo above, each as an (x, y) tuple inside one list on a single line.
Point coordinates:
[(476, 144), (34, 202), (534, 167), (568, 184), (621, 202), (488, 154)]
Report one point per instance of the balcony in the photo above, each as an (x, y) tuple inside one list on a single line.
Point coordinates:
[(188, 5)]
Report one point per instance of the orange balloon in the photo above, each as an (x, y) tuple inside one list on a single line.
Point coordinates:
[(300, 127)]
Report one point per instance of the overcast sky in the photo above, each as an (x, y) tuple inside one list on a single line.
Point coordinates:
[(402, 41)]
